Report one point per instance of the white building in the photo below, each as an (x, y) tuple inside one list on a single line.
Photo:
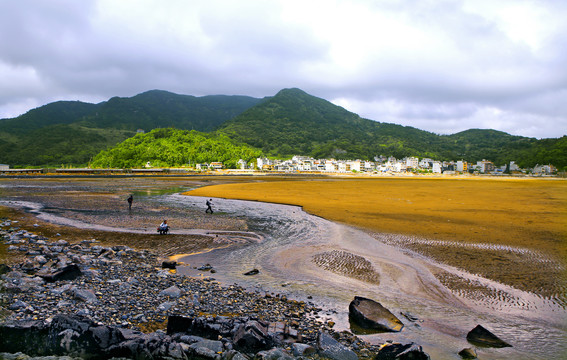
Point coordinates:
[(514, 166), (437, 168), (462, 166), (485, 166), (425, 163), (354, 165), (412, 162), (330, 166), (4, 167)]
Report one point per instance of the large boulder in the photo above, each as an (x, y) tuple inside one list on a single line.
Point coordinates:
[(69, 272), (369, 314), (396, 351), (481, 337), (252, 336)]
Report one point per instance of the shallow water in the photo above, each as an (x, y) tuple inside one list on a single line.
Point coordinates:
[(406, 284)]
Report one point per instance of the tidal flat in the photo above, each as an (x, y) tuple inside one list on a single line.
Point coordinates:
[(501, 229), (419, 246)]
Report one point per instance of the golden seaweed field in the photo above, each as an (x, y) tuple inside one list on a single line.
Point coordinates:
[(528, 213)]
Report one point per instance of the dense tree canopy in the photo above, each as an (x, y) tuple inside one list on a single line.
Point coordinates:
[(290, 123), (172, 148)]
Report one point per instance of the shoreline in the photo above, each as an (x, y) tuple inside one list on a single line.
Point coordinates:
[(93, 195)]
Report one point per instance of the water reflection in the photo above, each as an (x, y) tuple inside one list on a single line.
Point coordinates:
[(285, 258)]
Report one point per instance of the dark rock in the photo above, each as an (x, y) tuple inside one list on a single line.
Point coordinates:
[(69, 272), (273, 354), (300, 349), (205, 267), (397, 351), (28, 336), (252, 336), (210, 328), (332, 349), (481, 337), (4, 269), (468, 353), (179, 324), (369, 314), (169, 264), (252, 272)]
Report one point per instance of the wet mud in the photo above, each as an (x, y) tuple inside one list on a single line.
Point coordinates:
[(449, 287)]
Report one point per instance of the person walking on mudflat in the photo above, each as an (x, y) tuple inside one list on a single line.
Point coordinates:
[(130, 200), (209, 206)]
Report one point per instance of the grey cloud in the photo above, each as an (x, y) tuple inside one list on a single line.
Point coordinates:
[(447, 67)]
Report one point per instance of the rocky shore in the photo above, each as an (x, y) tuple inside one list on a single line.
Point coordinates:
[(84, 299)]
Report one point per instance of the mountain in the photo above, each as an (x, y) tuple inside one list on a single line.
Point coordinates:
[(294, 122), (72, 132), (290, 123), (160, 109)]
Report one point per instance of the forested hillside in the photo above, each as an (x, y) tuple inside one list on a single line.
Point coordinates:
[(72, 132), (294, 122), (174, 148), (290, 123)]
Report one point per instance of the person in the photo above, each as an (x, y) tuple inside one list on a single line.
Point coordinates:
[(209, 206), (163, 228), (130, 200)]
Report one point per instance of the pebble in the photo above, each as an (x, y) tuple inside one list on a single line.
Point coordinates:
[(125, 287)]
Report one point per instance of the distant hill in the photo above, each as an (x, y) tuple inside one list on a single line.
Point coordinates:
[(72, 132), (172, 147), (294, 122), (290, 123)]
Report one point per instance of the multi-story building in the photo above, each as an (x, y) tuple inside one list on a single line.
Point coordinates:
[(412, 162), (462, 166)]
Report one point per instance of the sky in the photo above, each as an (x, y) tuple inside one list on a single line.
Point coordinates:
[(443, 66)]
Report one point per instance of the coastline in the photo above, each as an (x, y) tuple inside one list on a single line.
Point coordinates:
[(74, 199)]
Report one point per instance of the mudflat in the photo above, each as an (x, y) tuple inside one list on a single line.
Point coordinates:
[(481, 225)]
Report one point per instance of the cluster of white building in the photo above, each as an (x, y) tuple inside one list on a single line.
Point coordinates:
[(386, 164)]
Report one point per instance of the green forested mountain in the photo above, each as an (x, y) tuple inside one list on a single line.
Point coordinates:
[(160, 109), (72, 132), (290, 123), (173, 147), (294, 122)]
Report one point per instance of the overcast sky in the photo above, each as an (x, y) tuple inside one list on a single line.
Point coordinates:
[(443, 66)]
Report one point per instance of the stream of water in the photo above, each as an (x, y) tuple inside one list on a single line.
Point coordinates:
[(406, 284)]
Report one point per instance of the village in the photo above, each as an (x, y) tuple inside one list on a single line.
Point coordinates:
[(383, 164), (306, 164)]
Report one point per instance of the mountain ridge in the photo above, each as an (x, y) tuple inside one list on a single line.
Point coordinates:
[(292, 122)]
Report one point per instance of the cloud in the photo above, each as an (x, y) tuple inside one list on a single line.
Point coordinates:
[(442, 66)]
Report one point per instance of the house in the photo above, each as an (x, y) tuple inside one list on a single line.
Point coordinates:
[(412, 162), (436, 167), (485, 166), (4, 167), (216, 165), (330, 166), (354, 165), (242, 164), (425, 163), (462, 166)]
